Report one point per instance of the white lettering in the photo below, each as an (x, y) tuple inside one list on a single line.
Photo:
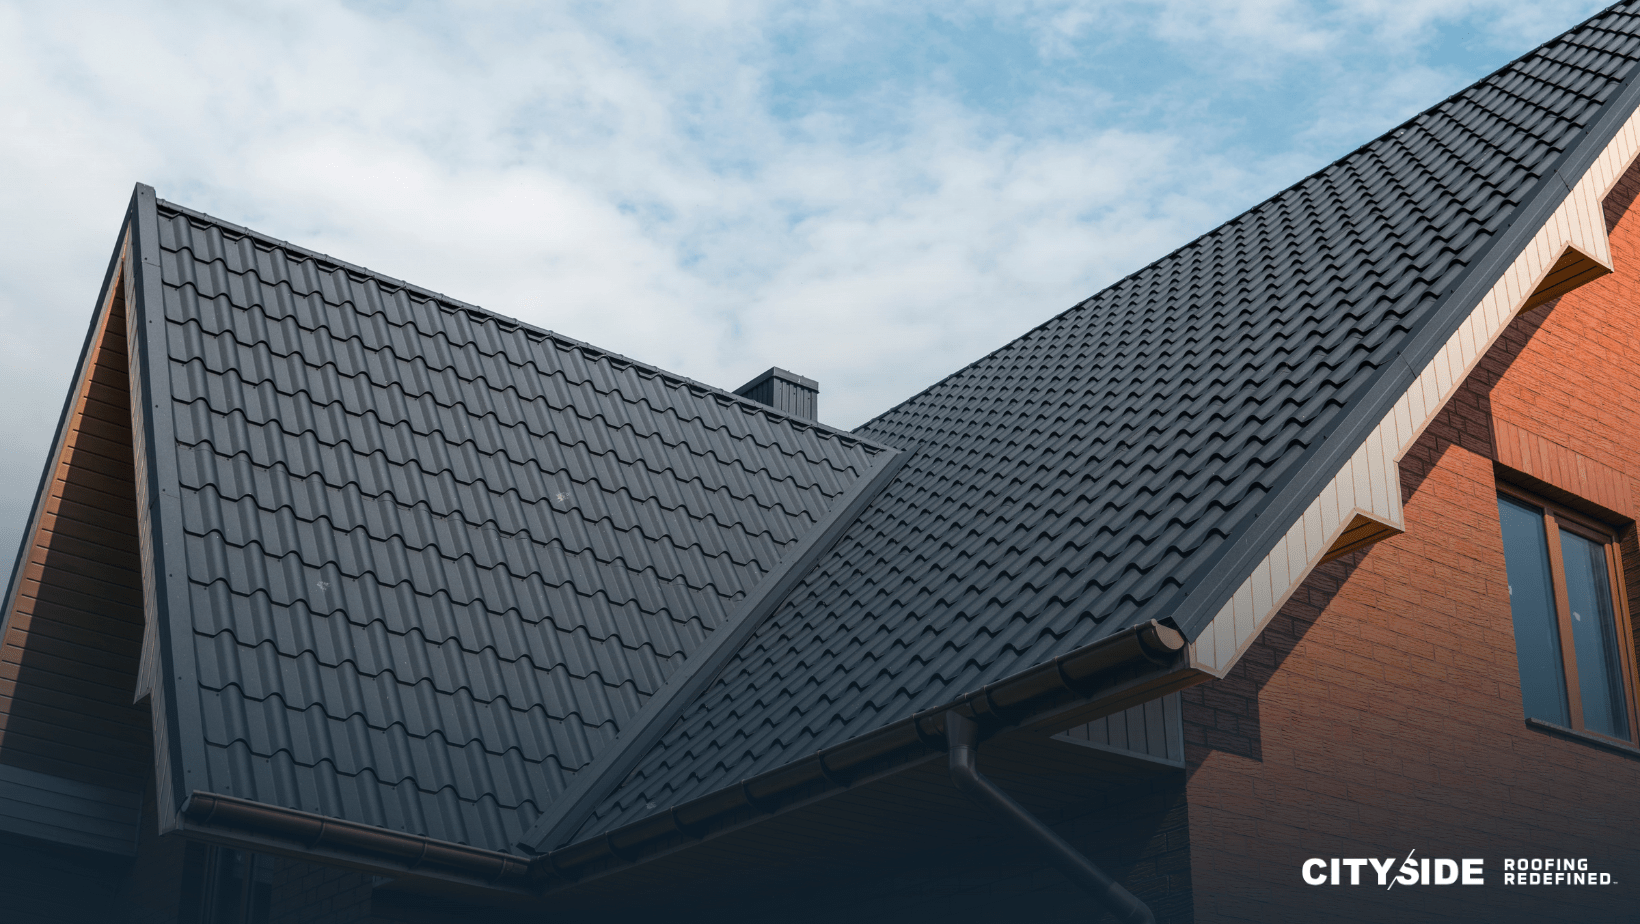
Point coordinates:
[(1473, 871), (1446, 872), (1382, 869), (1355, 869), (1318, 878), (1409, 872)]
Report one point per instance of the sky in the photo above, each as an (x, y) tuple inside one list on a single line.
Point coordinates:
[(869, 194)]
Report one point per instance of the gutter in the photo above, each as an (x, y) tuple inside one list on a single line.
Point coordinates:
[(242, 822), (1130, 667), (595, 782), (962, 738), (1135, 665)]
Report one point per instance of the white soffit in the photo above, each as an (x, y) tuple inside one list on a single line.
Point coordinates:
[(1369, 485)]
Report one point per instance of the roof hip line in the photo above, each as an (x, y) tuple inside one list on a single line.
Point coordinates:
[(594, 782)]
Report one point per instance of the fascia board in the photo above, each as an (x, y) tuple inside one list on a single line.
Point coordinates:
[(165, 568), (1206, 593), (1368, 484)]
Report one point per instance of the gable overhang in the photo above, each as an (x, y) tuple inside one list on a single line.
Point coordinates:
[(62, 806), (1361, 503)]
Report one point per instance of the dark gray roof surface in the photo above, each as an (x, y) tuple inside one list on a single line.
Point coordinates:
[(435, 558), (1135, 456)]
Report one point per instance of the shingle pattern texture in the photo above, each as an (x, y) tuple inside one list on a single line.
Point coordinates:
[(1073, 482), (434, 557)]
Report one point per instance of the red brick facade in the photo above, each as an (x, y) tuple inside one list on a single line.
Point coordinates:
[(1380, 712)]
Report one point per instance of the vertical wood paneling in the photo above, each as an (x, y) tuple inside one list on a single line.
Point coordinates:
[(1150, 731), (72, 640), (1368, 485)]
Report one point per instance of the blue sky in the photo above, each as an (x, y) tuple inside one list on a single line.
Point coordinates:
[(869, 194)]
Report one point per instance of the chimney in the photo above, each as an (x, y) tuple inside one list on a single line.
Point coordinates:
[(784, 391)]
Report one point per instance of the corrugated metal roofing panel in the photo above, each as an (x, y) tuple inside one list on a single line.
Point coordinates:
[(1085, 477), (434, 558)]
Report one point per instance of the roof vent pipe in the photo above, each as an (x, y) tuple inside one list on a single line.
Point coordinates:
[(962, 743), (784, 391)]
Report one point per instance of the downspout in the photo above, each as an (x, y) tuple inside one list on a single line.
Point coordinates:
[(962, 741)]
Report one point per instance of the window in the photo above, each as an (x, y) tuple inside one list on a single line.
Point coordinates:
[(1570, 625)]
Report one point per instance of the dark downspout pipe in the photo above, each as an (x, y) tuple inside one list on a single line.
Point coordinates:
[(962, 743)]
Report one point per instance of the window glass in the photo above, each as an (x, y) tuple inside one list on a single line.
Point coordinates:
[(1532, 603), (1594, 635)]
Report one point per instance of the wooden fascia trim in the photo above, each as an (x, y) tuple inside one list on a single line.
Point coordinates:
[(1362, 503)]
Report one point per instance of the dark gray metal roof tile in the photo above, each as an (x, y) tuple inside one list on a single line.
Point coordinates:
[(435, 557), (1082, 478)]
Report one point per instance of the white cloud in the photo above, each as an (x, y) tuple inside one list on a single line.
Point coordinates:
[(622, 174)]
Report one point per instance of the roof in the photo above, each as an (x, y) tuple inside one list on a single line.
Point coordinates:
[(434, 559), (1134, 457), (415, 565)]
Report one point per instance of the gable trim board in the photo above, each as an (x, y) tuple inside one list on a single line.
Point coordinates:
[(1259, 552), (165, 580), (609, 767), (1367, 490)]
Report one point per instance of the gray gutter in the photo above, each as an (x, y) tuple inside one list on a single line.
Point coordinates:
[(594, 782), (241, 822), (1132, 666)]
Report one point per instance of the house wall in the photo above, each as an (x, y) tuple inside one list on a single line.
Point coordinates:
[(73, 633), (954, 864), (1380, 713)]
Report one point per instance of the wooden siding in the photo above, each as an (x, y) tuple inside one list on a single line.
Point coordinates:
[(1368, 486), (1572, 270), (1150, 732), (1362, 532), (72, 638), (51, 808)]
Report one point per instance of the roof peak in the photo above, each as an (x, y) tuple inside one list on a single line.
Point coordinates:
[(447, 303)]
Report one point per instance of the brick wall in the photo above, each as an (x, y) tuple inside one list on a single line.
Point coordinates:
[(1381, 713), (308, 893)]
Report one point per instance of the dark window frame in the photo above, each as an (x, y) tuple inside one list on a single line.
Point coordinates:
[(1557, 516)]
